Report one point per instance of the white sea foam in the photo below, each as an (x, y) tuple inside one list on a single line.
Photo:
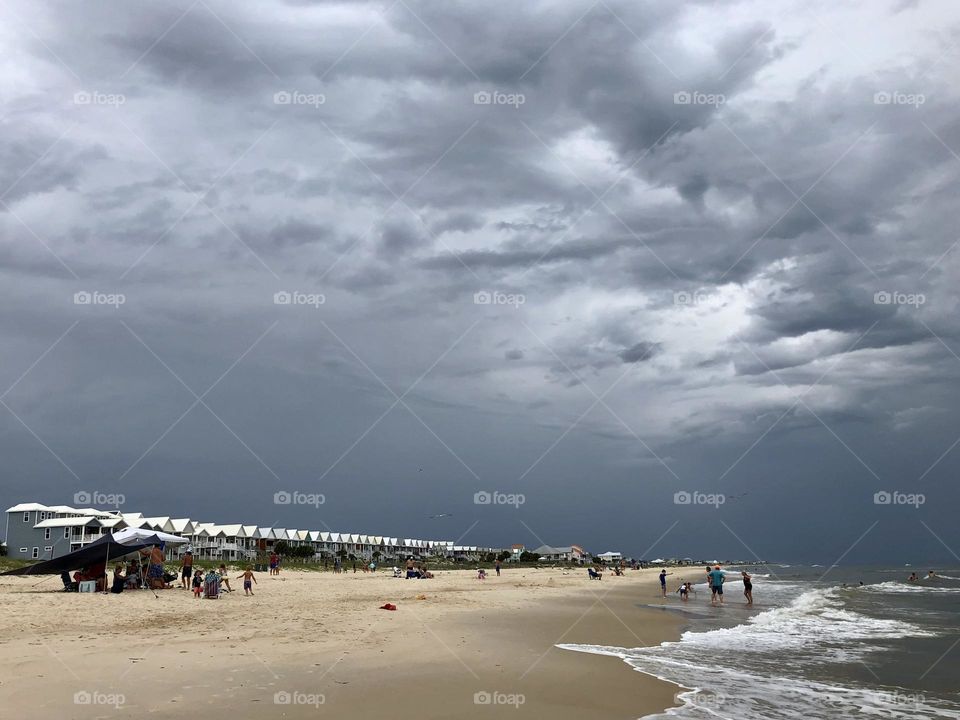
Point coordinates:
[(761, 668), (899, 587)]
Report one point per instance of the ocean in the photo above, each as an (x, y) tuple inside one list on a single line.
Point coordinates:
[(810, 647)]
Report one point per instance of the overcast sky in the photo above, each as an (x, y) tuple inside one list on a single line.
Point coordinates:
[(591, 254)]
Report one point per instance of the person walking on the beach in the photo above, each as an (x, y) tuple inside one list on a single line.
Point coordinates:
[(747, 587), (663, 582), (716, 585), (274, 562), (187, 572), (248, 579), (497, 568)]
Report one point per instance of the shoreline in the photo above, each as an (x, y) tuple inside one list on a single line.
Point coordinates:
[(467, 648)]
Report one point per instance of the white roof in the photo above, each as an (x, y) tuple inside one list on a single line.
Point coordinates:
[(67, 522), (181, 525), (232, 530), (250, 531), (27, 507)]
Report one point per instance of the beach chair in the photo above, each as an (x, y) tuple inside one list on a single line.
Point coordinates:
[(594, 575), (211, 586)]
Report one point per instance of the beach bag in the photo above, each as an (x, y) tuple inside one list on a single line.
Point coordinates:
[(211, 586)]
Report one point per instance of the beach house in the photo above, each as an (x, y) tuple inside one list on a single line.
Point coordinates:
[(41, 532), (570, 553)]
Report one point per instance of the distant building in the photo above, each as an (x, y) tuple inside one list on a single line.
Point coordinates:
[(611, 557), (40, 532), (570, 553)]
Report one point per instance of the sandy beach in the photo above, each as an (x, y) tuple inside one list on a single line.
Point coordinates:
[(312, 643)]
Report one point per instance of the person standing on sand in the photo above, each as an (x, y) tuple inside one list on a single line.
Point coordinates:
[(716, 585), (663, 582), (274, 560), (747, 587), (187, 571), (497, 568), (155, 567)]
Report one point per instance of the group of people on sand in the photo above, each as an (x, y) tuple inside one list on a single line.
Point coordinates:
[(715, 579), (417, 571)]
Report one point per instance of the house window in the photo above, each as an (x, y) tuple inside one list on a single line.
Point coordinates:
[(26, 517), (66, 533), (36, 553), (46, 533), (23, 550), (48, 548)]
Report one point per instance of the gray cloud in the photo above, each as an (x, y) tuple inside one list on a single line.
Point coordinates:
[(736, 282)]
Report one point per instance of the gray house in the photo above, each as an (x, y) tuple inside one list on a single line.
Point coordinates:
[(41, 532)]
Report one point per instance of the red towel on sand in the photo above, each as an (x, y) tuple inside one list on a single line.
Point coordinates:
[(388, 606)]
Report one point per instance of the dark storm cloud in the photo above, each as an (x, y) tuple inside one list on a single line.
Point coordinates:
[(695, 214), (640, 352)]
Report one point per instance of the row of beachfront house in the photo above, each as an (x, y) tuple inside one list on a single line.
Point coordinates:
[(41, 532)]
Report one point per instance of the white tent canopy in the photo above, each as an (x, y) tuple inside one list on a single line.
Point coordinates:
[(129, 536)]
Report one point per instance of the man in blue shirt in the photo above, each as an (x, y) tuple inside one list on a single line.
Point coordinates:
[(716, 584)]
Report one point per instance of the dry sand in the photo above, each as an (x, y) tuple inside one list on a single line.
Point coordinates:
[(321, 639)]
